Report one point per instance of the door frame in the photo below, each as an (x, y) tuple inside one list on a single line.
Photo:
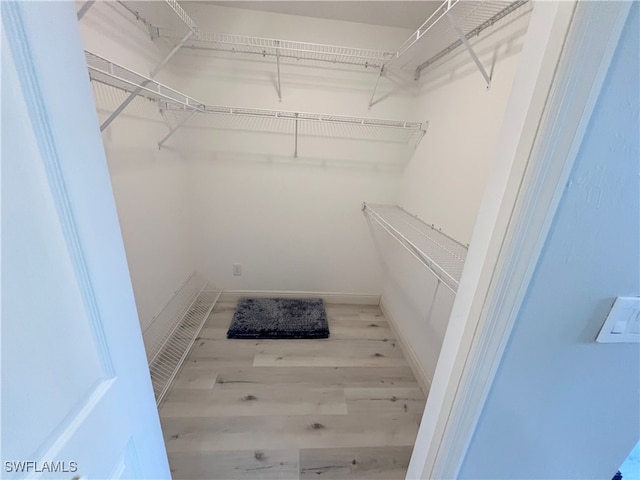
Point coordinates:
[(562, 68)]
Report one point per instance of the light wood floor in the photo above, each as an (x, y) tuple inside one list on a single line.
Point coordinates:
[(343, 407)]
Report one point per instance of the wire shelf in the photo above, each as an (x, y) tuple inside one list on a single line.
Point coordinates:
[(441, 254), (104, 71), (473, 28), (173, 102), (283, 49), (175, 6), (171, 334), (308, 124), (470, 16), (441, 38), (305, 116)]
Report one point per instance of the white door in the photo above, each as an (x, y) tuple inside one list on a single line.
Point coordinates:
[(76, 395)]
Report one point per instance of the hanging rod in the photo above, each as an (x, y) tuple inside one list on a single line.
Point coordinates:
[(107, 72), (442, 255)]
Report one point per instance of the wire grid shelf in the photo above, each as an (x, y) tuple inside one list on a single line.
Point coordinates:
[(472, 28), (104, 71), (174, 104), (311, 124), (438, 36), (441, 254), (283, 49), (175, 6), (168, 339)]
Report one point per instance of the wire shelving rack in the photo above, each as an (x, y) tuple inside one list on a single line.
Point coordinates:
[(442, 255), (109, 73), (452, 25), (467, 19), (170, 336), (176, 103), (283, 50)]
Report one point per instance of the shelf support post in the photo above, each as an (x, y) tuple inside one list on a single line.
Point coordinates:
[(85, 8), (375, 86), (278, 68), (174, 129), (433, 300), (133, 94), (420, 137), (295, 152), (465, 42)]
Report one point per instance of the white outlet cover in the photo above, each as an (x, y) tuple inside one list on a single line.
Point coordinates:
[(623, 322)]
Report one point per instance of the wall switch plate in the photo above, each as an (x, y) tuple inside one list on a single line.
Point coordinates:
[(623, 322), (237, 269)]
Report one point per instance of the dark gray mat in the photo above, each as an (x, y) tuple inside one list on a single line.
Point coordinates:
[(279, 318)]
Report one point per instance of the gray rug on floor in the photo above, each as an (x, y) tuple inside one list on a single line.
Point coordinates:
[(279, 318)]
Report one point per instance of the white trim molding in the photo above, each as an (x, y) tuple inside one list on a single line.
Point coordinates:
[(409, 353), (563, 65), (328, 297)]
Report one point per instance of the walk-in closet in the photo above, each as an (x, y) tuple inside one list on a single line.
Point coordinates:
[(298, 149), (319, 239)]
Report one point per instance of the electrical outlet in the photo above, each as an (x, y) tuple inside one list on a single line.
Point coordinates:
[(237, 269)]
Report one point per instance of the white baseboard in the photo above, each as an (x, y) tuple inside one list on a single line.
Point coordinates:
[(328, 297), (416, 367)]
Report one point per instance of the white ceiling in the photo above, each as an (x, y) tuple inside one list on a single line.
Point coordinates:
[(404, 14)]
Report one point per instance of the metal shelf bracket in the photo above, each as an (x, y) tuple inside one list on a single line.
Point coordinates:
[(485, 20), (133, 94), (184, 120), (278, 69), (375, 86), (295, 151), (467, 45)]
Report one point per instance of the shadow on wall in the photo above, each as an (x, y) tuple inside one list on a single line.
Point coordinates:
[(211, 69), (400, 83), (343, 146), (458, 64), (419, 304), (233, 156)]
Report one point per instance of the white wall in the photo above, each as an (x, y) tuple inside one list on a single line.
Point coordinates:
[(444, 181), (562, 406), (295, 223), (150, 186), (292, 223)]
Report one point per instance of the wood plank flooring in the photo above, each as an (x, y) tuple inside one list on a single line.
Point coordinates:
[(346, 407)]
